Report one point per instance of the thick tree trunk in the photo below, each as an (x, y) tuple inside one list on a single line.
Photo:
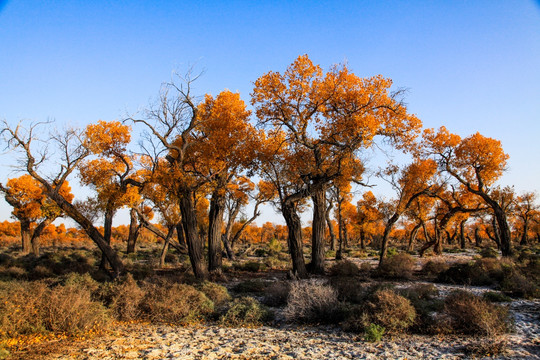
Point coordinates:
[(477, 237), (330, 228), (215, 224), (317, 234), (133, 231), (412, 236), (94, 234), (180, 235), (294, 240), (525, 235), (362, 240), (195, 245), (37, 234), (107, 233), (26, 236), (386, 235), (496, 233), (339, 252), (462, 234)]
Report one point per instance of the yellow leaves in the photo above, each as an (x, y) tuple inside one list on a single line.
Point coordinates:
[(107, 138)]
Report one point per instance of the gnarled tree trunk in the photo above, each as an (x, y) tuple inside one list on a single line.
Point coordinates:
[(295, 239), (195, 245), (215, 224), (317, 235)]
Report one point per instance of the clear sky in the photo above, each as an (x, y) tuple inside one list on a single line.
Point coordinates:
[(469, 65)]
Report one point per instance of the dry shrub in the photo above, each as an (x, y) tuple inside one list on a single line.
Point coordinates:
[(350, 290), (466, 313), (250, 286), (276, 294), (245, 312), (175, 303), (484, 271), (435, 267), (20, 307), (390, 310), (69, 309), (519, 285), (399, 266), (123, 298), (215, 292), (344, 268), (33, 307), (312, 301)]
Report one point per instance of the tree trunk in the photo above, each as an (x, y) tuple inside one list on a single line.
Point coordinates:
[(195, 245), (496, 233), (330, 228), (37, 234), (477, 238), (25, 236), (412, 236), (133, 231), (294, 240), (339, 253), (90, 230), (386, 235), (525, 235), (462, 234), (215, 224), (317, 235), (167, 240), (228, 249), (107, 233), (437, 249), (362, 240), (180, 235)]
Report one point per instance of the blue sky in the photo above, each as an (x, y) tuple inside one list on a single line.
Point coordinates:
[(469, 65)]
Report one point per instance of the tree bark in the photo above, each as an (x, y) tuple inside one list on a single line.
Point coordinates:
[(87, 226), (317, 235), (107, 233), (37, 234), (295, 239), (525, 235), (133, 234), (412, 236), (25, 236), (166, 242), (386, 235), (462, 234), (215, 224), (195, 245), (330, 228)]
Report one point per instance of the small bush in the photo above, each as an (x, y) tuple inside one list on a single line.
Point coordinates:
[(393, 311), (495, 296), (29, 308), (261, 252), (175, 303), (399, 266), (392, 251), (251, 266), (484, 271), (344, 268), (489, 253), (70, 310), (466, 313), (245, 312), (312, 301), (274, 246), (123, 298), (349, 290), (250, 286), (435, 267), (215, 292), (374, 332), (277, 293), (420, 292), (517, 284)]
